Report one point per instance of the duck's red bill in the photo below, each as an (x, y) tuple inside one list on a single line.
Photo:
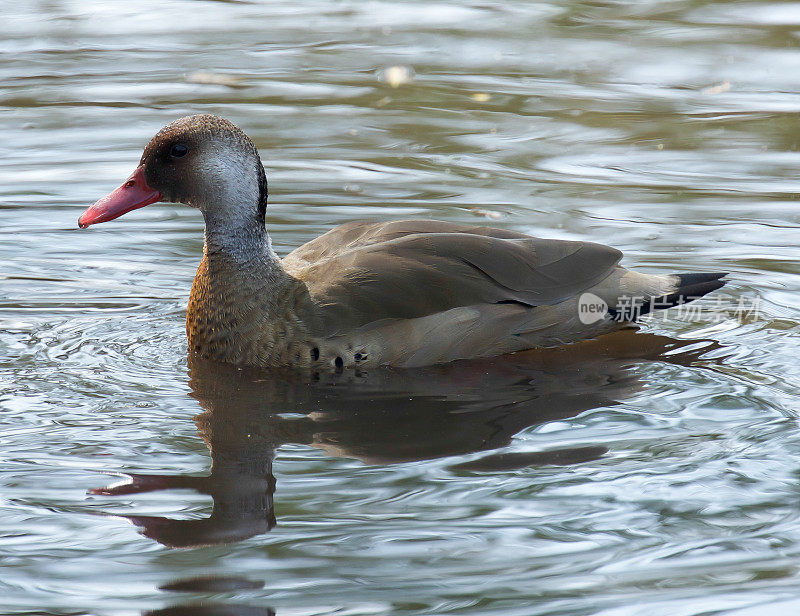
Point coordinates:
[(133, 194)]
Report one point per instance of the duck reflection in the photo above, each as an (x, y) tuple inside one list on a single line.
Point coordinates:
[(388, 416), (211, 584)]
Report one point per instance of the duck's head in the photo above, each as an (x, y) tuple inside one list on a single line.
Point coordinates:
[(203, 161)]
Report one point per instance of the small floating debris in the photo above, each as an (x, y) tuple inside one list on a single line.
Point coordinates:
[(720, 88), (215, 79), (397, 76), (491, 214), (481, 97)]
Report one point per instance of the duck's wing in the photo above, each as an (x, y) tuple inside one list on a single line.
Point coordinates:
[(364, 273)]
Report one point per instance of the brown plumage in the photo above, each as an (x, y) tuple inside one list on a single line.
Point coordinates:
[(406, 293)]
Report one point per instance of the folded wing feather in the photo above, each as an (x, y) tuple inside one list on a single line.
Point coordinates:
[(366, 272)]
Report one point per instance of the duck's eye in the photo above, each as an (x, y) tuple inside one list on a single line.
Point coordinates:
[(178, 150)]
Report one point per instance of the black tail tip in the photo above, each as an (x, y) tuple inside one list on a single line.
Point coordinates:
[(688, 280), (690, 288)]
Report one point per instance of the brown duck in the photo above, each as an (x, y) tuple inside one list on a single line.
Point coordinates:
[(402, 293)]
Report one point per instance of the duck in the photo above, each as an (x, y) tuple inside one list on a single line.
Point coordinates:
[(402, 293)]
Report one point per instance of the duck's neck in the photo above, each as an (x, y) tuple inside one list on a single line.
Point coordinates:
[(235, 236), (244, 307), (243, 240), (239, 255)]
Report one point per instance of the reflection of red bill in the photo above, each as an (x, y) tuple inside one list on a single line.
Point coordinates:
[(132, 195)]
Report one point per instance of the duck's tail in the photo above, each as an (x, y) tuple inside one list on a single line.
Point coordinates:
[(687, 288)]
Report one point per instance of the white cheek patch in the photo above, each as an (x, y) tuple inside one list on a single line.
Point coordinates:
[(227, 182)]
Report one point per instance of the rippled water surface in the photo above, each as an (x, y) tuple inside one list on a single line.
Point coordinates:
[(651, 473)]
